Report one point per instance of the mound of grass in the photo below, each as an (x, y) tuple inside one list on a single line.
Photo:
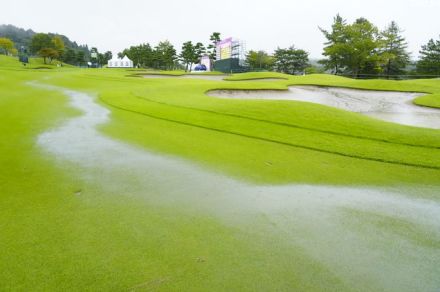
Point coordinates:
[(258, 75), (431, 100), (10, 63)]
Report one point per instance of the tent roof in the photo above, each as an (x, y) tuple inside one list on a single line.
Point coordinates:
[(116, 59)]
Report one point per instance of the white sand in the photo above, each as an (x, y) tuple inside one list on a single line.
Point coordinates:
[(396, 107)]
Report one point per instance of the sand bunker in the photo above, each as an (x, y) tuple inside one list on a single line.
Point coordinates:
[(261, 79), (396, 107), (203, 77)]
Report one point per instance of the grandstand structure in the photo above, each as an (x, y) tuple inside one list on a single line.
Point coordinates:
[(230, 56)]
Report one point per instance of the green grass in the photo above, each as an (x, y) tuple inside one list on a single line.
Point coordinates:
[(34, 63), (142, 72), (272, 139), (54, 239), (257, 75), (431, 100)]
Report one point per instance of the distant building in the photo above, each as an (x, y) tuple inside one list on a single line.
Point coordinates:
[(120, 63), (206, 61)]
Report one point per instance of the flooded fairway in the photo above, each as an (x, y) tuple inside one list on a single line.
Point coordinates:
[(396, 107), (374, 238)]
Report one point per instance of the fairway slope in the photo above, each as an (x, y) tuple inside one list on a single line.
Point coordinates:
[(114, 183)]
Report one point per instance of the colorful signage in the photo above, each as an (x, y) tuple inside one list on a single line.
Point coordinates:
[(224, 49)]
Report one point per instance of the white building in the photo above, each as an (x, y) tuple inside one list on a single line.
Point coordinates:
[(206, 60), (120, 63)]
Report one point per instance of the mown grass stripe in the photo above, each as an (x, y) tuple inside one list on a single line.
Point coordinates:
[(272, 140), (285, 124)]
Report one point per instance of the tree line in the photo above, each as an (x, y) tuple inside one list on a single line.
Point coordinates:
[(73, 53), (285, 60), (164, 56), (53, 48), (360, 48), (355, 49)]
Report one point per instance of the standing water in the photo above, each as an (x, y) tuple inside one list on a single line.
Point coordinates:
[(338, 227)]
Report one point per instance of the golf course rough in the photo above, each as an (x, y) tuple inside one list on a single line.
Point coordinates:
[(180, 191)]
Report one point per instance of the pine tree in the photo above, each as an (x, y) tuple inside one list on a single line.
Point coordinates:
[(212, 50), (394, 54), (334, 45), (429, 62)]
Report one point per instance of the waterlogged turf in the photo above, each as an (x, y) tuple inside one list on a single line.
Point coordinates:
[(119, 183)]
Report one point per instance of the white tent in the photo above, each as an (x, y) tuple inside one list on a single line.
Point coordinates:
[(120, 63)]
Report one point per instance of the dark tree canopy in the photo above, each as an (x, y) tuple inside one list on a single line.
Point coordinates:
[(191, 54), (212, 51), (42, 45), (163, 56), (360, 48), (429, 62), (291, 60)]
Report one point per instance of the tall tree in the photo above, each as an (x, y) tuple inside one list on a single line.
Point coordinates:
[(353, 48), (199, 51), (6, 45), (165, 56), (40, 41), (191, 54), (58, 45), (212, 47), (187, 54), (362, 47), (429, 62), (394, 54), (335, 47), (42, 45), (291, 60)]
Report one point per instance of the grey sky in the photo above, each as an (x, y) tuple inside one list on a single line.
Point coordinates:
[(262, 24)]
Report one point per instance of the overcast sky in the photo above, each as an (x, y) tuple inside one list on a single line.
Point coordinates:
[(262, 24)]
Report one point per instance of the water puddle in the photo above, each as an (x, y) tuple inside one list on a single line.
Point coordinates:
[(340, 227), (396, 107)]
